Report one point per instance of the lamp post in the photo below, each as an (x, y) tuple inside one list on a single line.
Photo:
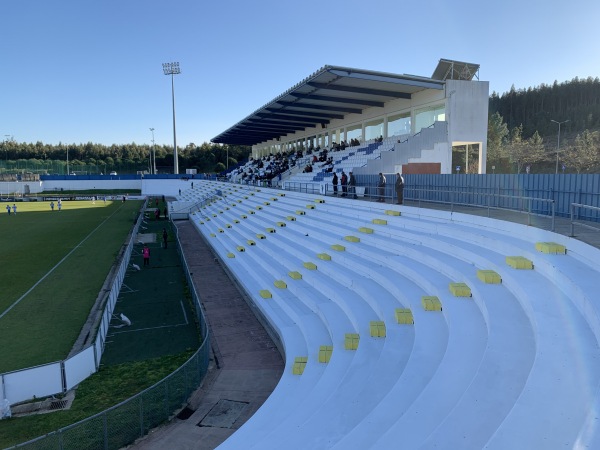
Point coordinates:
[(558, 142), (172, 69), (152, 155)]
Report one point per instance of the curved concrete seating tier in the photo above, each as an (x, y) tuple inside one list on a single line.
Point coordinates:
[(514, 364)]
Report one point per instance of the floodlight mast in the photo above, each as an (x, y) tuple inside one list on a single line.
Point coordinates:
[(558, 143), (172, 69)]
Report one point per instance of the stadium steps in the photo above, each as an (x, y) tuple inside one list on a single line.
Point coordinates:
[(502, 309)]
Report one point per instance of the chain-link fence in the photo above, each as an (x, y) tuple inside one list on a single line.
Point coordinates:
[(124, 423)]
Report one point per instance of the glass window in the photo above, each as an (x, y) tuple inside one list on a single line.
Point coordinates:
[(399, 124), (427, 116), (373, 129), (354, 132)]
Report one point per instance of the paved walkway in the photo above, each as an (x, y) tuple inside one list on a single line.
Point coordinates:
[(245, 363)]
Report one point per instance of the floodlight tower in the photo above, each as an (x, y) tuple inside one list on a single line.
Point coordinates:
[(172, 69), (558, 144)]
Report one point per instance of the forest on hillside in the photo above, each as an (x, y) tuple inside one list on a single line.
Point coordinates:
[(93, 158)]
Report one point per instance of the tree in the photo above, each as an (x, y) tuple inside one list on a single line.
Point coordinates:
[(496, 139), (522, 152), (584, 154)]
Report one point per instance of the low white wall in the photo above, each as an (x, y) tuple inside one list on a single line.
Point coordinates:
[(81, 185)]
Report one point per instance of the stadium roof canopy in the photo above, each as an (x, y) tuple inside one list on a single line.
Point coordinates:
[(333, 92)]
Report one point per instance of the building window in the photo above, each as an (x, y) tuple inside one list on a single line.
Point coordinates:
[(399, 124), (428, 116), (373, 129)]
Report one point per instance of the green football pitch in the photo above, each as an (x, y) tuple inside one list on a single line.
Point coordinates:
[(52, 267)]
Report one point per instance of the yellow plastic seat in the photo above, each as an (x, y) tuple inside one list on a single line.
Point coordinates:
[(239, 248), (251, 212), (270, 230), (213, 235), (391, 212), (379, 221), (325, 352), (404, 316), (221, 230), (244, 216), (324, 256), (519, 262), (550, 247), (352, 238), (300, 212), (460, 289), (319, 200), (338, 248), (291, 218), (294, 275), (260, 236), (266, 203), (281, 224), (351, 341), (310, 206), (250, 242), (431, 303), (228, 225), (299, 365), (230, 255), (281, 194), (280, 284), (377, 328), (366, 230), (265, 293), (258, 207), (489, 276), (309, 265)]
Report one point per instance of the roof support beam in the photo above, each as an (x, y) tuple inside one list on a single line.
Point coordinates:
[(379, 92), (322, 107), (283, 124), (292, 118), (306, 113), (326, 98)]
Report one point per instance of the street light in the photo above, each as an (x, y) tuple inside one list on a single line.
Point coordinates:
[(152, 155), (173, 69), (558, 146)]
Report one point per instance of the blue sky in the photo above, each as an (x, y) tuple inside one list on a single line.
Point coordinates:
[(80, 70)]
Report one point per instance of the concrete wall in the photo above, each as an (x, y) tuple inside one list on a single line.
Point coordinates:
[(467, 114)]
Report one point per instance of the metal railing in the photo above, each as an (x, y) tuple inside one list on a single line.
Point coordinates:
[(491, 201), (574, 212), (133, 418)]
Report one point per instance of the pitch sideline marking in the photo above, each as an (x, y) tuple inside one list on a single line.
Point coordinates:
[(57, 264)]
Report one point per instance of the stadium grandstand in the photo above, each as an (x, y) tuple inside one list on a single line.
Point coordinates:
[(367, 122)]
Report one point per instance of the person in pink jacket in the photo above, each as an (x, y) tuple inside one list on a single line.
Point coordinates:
[(146, 254)]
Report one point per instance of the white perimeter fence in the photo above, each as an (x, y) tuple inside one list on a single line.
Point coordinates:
[(61, 376)]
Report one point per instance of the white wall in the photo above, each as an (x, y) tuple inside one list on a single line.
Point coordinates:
[(467, 114)]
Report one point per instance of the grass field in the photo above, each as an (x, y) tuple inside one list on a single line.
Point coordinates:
[(53, 265)]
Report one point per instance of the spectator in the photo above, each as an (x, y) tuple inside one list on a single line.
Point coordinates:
[(146, 255), (344, 183), (352, 184), (381, 187), (399, 188), (335, 184)]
